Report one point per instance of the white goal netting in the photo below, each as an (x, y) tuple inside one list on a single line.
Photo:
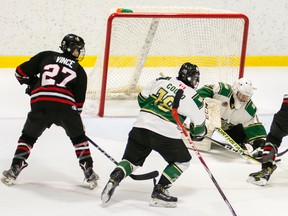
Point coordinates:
[(140, 46)]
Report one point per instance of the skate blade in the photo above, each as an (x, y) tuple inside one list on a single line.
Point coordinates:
[(7, 181), (106, 194), (161, 203), (260, 182), (93, 184)]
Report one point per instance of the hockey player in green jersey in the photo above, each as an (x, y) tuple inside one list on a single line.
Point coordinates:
[(238, 113), (155, 129)]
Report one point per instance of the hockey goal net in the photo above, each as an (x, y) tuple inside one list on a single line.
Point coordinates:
[(147, 43)]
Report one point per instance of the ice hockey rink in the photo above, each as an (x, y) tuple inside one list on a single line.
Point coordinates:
[(52, 184)]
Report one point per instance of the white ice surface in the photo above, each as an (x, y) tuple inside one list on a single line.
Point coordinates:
[(52, 184)]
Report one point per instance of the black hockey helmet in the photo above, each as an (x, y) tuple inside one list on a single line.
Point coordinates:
[(189, 74), (74, 45)]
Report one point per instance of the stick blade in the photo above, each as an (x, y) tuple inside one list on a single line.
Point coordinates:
[(146, 176)]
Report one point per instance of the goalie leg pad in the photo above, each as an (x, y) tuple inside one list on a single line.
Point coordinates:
[(204, 145)]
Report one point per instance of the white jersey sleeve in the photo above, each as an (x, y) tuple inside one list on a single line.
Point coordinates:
[(156, 101), (189, 107)]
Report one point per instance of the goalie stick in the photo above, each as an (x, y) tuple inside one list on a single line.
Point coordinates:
[(146, 176), (244, 155), (234, 146), (188, 139), (239, 150)]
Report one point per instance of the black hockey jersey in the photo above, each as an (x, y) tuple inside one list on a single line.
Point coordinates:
[(59, 78)]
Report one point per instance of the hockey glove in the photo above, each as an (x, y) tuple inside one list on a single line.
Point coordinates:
[(27, 80), (255, 148), (32, 81), (28, 90), (198, 137), (258, 143)]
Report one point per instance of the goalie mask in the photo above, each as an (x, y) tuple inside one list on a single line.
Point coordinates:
[(74, 45), (189, 74), (242, 92)]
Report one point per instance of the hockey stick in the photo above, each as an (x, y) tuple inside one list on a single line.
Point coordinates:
[(282, 153), (243, 154), (188, 139), (236, 148), (146, 176), (239, 150)]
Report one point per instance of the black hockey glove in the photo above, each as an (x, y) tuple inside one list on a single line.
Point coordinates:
[(28, 80), (30, 85), (28, 90), (258, 143)]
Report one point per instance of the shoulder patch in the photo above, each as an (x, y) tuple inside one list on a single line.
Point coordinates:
[(199, 101), (206, 91), (251, 108), (225, 89)]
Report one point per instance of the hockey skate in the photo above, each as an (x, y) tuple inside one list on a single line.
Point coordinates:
[(90, 176), (115, 178), (9, 176), (92, 179), (262, 177), (108, 190), (161, 198)]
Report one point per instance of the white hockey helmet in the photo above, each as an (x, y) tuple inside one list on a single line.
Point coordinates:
[(242, 91)]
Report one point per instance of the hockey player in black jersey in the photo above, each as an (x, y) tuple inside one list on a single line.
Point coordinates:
[(57, 85), (278, 130)]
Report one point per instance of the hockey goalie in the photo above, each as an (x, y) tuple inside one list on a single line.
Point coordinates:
[(231, 112)]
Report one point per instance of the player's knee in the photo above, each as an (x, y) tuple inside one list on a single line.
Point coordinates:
[(27, 139), (182, 165)]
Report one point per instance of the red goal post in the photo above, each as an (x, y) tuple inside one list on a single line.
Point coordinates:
[(140, 46)]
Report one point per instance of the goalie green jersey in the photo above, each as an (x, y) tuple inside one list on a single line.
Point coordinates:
[(230, 116), (155, 101)]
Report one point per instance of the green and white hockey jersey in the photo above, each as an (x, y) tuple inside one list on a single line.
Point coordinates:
[(230, 117), (155, 101)]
